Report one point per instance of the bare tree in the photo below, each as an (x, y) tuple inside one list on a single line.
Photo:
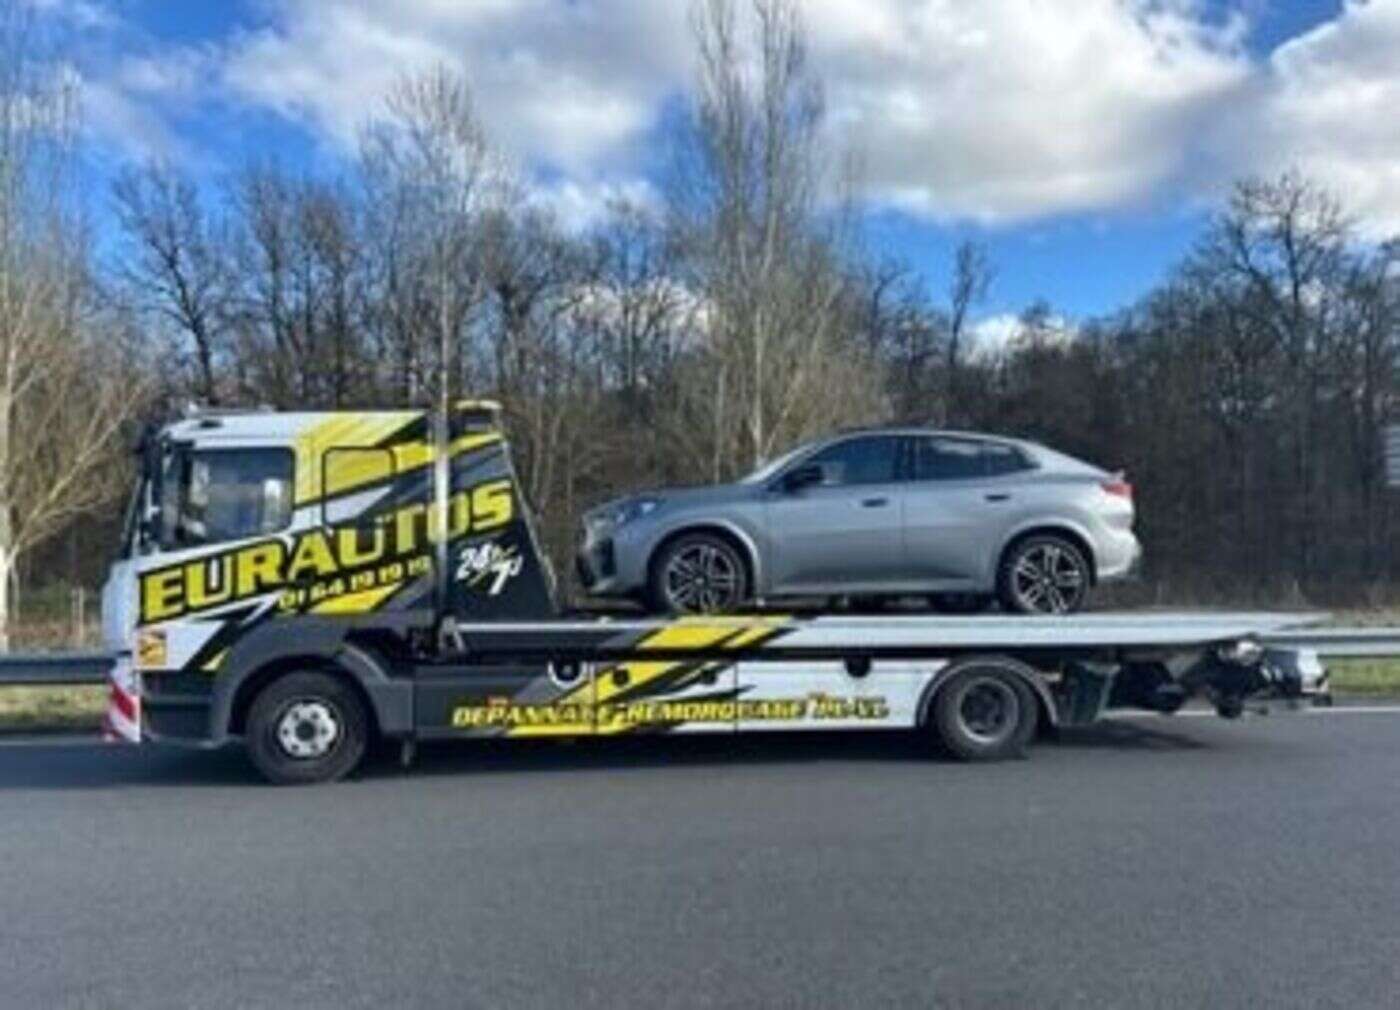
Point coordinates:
[(427, 160), (972, 276), (754, 213), (175, 262), (64, 392)]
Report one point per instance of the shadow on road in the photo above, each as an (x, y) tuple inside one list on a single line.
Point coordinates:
[(73, 764), (1111, 735), (91, 764)]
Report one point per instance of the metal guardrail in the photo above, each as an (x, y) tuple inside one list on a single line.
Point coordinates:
[(54, 668), (1340, 643), (62, 668)]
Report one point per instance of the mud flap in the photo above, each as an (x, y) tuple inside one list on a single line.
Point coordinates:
[(1086, 692)]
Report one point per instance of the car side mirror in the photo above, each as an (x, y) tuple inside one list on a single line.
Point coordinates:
[(806, 475)]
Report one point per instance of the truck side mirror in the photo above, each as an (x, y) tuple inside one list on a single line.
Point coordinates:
[(806, 475)]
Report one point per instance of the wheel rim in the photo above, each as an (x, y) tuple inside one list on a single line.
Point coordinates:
[(308, 729), (1048, 579), (988, 710), (701, 579)]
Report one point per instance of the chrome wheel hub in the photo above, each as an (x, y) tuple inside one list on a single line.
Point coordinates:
[(308, 729)]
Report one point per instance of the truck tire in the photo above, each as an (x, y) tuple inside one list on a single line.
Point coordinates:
[(698, 573), (986, 710), (306, 727), (1043, 574)]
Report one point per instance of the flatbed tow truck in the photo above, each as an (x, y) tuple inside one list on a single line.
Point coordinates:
[(309, 582)]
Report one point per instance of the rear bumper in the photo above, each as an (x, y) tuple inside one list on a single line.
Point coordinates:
[(1118, 557)]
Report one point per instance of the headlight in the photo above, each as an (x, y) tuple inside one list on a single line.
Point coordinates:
[(634, 508), (611, 516)]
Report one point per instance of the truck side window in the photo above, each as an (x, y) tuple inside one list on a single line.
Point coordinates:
[(226, 494)]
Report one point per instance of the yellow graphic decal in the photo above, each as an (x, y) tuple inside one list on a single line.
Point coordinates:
[(597, 706), (340, 430), (316, 564), (575, 716)]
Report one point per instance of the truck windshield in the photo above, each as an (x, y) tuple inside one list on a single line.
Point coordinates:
[(213, 495)]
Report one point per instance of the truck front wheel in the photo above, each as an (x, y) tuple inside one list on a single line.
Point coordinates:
[(306, 727), (985, 711)]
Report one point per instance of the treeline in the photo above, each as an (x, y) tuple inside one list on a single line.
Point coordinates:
[(686, 339)]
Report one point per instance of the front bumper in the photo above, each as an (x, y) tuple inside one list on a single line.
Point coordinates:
[(596, 564), (177, 707)]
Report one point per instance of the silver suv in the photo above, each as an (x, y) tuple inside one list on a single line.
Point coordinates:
[(963, 519)]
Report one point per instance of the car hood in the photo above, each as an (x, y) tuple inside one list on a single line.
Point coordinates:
[(672, 497)]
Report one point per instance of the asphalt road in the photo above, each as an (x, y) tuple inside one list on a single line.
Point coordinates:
[(1148, 863)]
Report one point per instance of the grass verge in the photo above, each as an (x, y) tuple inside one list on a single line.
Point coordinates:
[(1364, 676), (33, 709)]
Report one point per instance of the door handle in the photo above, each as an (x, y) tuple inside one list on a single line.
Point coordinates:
[(998, 496), (874, 503)]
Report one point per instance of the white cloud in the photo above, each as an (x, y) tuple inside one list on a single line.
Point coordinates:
[(579, 205), (1328, 102), (568, 85), (993, 335), (1007, 109), (999, 111)]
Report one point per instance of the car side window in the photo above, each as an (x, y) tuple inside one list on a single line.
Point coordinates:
[(1004, 459), (869, 459), (963, 459)]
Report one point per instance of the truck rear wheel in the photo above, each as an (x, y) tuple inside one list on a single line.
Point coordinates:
[(986, 710), (306, 727)]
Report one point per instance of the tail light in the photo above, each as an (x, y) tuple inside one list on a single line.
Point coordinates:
[(1118, 486)]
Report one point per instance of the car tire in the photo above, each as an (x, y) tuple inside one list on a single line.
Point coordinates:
[(986, 711), (1043, 574), (698, 573), (959, 603), (306, 727)]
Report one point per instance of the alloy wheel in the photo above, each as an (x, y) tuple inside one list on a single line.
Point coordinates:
[(1048, 578), (702, 579)]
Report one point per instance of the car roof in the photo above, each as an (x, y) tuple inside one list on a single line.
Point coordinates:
[(983, 436)]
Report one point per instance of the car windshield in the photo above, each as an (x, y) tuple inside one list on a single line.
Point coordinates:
[(772, 467)]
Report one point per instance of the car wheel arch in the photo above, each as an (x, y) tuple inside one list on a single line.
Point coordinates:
[(1056, 528), (741, 541)]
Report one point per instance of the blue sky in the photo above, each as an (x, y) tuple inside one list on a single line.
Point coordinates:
[(1083, 141)]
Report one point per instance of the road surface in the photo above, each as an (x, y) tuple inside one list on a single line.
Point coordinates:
[(1145, 863)]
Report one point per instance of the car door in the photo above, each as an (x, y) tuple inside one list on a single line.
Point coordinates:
[(845, 531), (955, 508)]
